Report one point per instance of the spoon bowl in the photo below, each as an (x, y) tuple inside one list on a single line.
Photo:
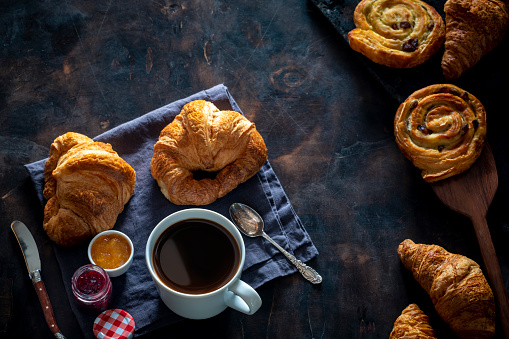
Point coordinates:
[(249, 222)]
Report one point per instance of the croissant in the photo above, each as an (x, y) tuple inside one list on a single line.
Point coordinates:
[(412, 324), (86, 187), (456, 285), (396, 33), (441, 129), (473, 28), (204, 153)]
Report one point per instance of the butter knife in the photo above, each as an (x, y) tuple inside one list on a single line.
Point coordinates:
[(31, 253)]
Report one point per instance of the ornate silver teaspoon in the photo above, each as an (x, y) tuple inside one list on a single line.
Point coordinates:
[(249, 222)]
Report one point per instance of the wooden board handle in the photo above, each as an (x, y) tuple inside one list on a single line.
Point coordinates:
[(493, 268)]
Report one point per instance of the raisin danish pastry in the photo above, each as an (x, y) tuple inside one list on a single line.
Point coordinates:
[(456, 285), (412, 323), (86, 187), (473, 28), (441, 129), (397, 33), (223, 144)]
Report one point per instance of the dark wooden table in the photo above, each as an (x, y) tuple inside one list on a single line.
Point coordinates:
[(88, 66)]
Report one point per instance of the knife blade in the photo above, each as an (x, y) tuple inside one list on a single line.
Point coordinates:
[(31, 254)]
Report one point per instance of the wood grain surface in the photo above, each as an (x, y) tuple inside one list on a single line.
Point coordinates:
[(326, 116)]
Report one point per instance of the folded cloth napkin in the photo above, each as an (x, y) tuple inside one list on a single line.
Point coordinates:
[(135, 291)]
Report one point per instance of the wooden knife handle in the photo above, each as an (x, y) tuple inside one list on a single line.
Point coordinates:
[(46, 306)]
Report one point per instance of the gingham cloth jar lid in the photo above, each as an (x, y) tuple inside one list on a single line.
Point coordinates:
[(114, 324)]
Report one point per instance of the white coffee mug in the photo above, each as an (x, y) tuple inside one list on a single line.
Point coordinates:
[(235, 293)]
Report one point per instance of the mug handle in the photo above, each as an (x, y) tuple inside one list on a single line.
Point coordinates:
[(243, 298)]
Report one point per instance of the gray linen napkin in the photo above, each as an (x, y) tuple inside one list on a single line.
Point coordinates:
[(135, 291)]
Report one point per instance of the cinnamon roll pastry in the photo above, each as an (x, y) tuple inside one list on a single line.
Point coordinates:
[(397, 33), (441, 129)]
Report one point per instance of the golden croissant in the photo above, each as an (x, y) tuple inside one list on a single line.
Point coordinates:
[(86, 187), (204, 153), (441, 129), (412, 323), (473, 28), (396, 33), (456, 285)]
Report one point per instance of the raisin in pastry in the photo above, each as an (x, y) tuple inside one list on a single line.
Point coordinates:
[(441, 129), (397, 33)]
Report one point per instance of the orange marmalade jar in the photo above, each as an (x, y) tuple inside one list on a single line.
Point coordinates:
[(110, 250)]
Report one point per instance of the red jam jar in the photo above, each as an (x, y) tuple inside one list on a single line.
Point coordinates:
[(91, 287)]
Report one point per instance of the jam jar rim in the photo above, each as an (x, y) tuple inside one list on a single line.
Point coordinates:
[(91, 297)]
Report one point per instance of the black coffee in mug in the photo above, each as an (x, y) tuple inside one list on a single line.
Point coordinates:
[(196, 256)]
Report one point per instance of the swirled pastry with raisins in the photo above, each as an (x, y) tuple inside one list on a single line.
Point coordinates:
[(441, 129), (397, 33)]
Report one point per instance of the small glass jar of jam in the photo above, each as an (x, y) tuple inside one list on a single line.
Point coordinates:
[(91, 287)]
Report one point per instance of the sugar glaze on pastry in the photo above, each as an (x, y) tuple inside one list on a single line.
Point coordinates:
[(86, 187), (397, 33), (203, 138), (441, 129)]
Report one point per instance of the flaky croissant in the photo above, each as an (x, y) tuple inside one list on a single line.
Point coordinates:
[(86, 187), (456, 285), (413, 323), (202, 138), (473, 28)]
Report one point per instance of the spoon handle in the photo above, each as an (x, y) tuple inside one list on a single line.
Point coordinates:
[(306, 271)]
